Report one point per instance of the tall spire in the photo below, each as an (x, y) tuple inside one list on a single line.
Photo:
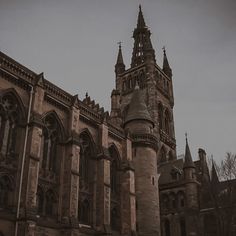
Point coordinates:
[(142, 42), (188, 161), (120, 66), (141, 23)]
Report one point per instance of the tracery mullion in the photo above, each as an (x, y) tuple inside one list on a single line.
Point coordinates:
[(10, 142), (5, 137), (2, 131), (52, 153)]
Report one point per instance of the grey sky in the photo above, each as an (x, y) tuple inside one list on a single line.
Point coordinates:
[(74, 42)]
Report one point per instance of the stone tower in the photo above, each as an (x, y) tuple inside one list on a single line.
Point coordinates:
[(155, 84), (142, 103), (139, 124)]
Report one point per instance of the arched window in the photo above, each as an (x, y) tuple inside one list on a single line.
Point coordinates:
[(167, 122), (165, 202), (115, 188), (87, 178), (114, 222), (50, 204), (173, 201), (160, 115), (171, 156), (86, 153), (182, 227), (40, 201), (5, 190), (167, 227), (84, 213), (10, 112), (181, 200), (114, 172), (51, 137), (163, 155)]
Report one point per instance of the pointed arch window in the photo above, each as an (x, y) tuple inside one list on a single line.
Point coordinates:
[(51, 139), (165, 202), (163, 155), (40, 201), (10, 115), (115, 188), (86, 153), (167, 122), (160, 116), (167, 227), (114, 222), (86, 181), (181, 199), (85, 211), (182, 227), (5, 191), (50, 203)]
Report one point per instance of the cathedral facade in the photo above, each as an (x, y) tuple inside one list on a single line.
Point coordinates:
[(67, 167)]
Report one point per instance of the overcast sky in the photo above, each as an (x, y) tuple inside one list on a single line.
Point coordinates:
[(74, 42)]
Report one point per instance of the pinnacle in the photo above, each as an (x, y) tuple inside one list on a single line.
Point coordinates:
[(188, 161), (141, 22), (120, 56)]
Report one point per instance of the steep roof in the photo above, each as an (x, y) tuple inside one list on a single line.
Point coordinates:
[(138, 108)]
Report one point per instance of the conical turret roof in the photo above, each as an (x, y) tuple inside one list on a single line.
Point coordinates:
[(138, 108)]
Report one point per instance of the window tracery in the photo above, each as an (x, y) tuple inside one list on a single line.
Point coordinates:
[(167, 227), (160, 115), (5, 191), (115, 188), (46, 203), (50, 140), (163, 157), (10, 112), (86, 170)]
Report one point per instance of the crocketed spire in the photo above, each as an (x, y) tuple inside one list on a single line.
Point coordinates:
[(140, 22), (142, 42)]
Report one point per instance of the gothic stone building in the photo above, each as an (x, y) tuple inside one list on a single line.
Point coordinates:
[(67, 167)]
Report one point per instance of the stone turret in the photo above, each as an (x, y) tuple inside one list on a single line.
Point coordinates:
[(139, 123), (191, 191)]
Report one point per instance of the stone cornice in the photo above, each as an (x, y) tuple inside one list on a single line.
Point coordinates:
[(145, 140)]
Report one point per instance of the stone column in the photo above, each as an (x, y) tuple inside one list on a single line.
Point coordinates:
[(128, 205), (103, 196), (70, 191), (32, 160)]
